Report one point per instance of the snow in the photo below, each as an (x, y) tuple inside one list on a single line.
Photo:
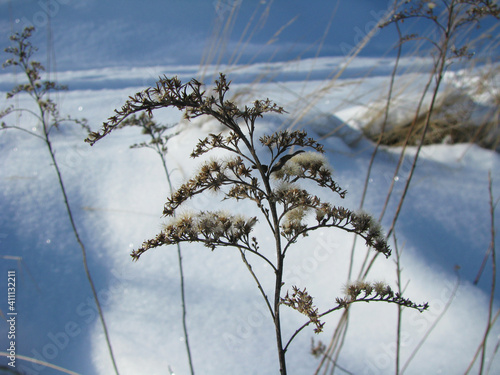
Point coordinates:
[(117, 195)]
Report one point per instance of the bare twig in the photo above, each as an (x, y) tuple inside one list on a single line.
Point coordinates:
[(158, 143), (482, 346)]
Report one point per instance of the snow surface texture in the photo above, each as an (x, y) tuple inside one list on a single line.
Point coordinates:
[(118, 194)]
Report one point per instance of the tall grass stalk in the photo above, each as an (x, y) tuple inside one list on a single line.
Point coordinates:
[(481, 351), (159, 138), (331, 82), (337, 341), (49, 118), (399, 311), (37, 362), (447, 25)]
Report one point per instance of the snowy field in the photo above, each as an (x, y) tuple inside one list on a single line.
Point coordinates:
[(118, 193)]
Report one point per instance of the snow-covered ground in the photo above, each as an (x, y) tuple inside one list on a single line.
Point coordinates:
[(118, 193)]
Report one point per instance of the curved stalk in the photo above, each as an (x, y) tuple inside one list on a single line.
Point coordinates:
[(45, 109), (84, 256), (181, 274)]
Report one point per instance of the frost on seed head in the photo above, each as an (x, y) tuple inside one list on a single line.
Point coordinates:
[(374, 236), (303, 163)]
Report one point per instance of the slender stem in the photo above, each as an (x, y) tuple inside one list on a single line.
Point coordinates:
[(340, 330), (400, 308), (341, 340), (379, 140), (274, 225), (497, 346), (493, 321), (493, 274), (277, 291), (36, 361), (259, 285), (370, 166), (84, 256), (43, 118), (438, 70), (486, 256), (405, 145), (183, 298), (181, 274), (22, 129), (277, 321), (279, 282), (424, 132)]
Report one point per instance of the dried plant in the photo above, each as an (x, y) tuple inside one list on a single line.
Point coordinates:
[(289, 210), (47, 114), (450, 20), (481, 350), (301, 301)]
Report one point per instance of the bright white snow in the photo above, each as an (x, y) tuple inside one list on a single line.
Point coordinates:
[(117, 195)]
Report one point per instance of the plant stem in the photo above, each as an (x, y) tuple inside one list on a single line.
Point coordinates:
[(345, 321), (280, 255), (437, 73), (482, 346), (84, 256), (424, 132), (400, 308), (278, 283), (46, 129), (181, 274), (277, 322)]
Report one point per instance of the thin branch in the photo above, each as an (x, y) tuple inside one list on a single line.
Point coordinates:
[(375, 298), (497, 346), (259, 285), (482, 346), (36, 115), (23, 130), (181, 274), (84, 258), (400, 309), (493, 321)]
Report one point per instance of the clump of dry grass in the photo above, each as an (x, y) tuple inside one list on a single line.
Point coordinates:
[(456, 118)]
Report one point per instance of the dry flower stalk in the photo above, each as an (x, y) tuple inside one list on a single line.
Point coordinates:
[(287, 208)]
